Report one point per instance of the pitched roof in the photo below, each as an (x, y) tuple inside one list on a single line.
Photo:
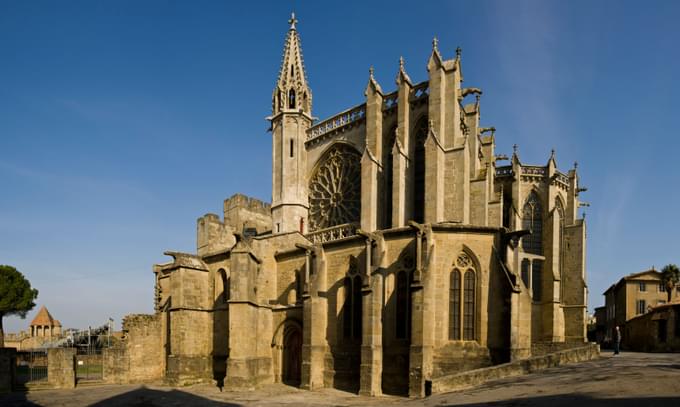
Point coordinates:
[(44, 318)]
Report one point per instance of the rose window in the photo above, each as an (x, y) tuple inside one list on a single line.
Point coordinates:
[(335, 189)]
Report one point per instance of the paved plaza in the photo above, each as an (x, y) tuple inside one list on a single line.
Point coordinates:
[(629, 379)]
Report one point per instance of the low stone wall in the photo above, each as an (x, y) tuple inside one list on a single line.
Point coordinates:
[(476, 377), (7, 369)]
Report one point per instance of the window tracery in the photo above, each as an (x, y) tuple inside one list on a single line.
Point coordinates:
[(462, 299), (335, 189), (532, 219)]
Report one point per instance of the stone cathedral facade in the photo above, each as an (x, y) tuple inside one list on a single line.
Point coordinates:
[(395, 250)]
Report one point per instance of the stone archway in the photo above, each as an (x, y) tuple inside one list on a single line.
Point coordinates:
[(291, 363)]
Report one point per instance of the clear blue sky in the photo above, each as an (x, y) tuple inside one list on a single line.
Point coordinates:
[(122, 122)]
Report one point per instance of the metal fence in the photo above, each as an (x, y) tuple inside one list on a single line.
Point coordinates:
[(89, 364), (31, 367)]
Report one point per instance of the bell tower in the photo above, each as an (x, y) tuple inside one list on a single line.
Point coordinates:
[(290, 119)]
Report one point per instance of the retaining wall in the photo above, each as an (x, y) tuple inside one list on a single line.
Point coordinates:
[(476, 377)]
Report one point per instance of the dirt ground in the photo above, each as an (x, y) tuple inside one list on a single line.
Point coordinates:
[(629, 379)]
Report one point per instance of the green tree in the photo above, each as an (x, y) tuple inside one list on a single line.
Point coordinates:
[(16, 296), (670, 276)]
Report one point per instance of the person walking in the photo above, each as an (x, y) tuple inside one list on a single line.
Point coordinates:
[(617, 340)]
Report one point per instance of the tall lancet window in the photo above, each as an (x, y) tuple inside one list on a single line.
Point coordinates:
[(454, 305), (388, 177), (559, 247), (421, 129), (462, 299), (291, 99), (532, 219)]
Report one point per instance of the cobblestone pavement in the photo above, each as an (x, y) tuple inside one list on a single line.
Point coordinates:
[(629, 379)]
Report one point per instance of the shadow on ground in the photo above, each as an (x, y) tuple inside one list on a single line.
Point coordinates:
[(141, 397), (580, 400)]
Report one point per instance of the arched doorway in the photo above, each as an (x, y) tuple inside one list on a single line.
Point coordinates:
[(292, 356)]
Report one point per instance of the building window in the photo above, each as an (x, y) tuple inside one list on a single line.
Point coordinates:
[(454, 305), (532, 220), (292, 144), (388, 177), (421, 129), (537, 279), (351, 310), (462, 302), (641, 306), (224, 279), (559, 211), (662, 288), (291, 99), (469, 307), (403, 316), (643, 287)]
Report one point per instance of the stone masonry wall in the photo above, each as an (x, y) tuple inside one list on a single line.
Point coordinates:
[(144, 349)]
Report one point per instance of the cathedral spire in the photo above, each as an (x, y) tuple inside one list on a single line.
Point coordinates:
[(292, 92)]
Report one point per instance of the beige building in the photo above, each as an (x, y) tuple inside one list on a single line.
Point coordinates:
[(43, 329), (633, 295), (395, 250), (655, 331)]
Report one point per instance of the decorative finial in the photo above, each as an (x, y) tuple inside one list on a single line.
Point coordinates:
[(435, 43), (552, 153), (458, 52), (575, 164), (514, 148), (370, 71), (292, 21), (401, 62)]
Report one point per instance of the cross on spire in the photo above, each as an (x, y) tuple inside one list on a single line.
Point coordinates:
[(292, 21)]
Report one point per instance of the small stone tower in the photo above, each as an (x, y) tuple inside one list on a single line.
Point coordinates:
[(291, 117)]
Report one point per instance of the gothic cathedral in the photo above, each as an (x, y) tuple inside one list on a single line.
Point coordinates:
[(395, 251)]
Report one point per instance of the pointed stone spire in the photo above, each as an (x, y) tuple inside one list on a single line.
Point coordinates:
[(436, 59), (372, 83), (292, 91), (552, 158), (402, 75)]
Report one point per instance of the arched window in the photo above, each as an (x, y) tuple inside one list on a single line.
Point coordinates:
[(335, 188), (224, 285), (421, 129), (291, 99), (462, 300), (469, 306), (559, 212), (388, 177), (403, 317), (532, 219), (351, 311), (537, 279), (454, 305)]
